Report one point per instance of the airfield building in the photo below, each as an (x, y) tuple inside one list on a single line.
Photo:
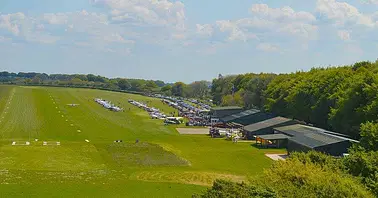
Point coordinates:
[(217, 113), (304, 138), (266, 127), (221, 112), (247, 117)]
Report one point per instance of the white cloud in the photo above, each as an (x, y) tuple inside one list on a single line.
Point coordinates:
[(115, 37), (56, 19), (152, 12), (273, 21), (281, 14), (205, 30), (343, 13), (301, 29), (37, 28), (235, 32), (369, 1), (255, 22), (267, 47), (11, 22), (344, 35)]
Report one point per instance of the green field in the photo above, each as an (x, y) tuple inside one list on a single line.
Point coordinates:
[(163, 163)]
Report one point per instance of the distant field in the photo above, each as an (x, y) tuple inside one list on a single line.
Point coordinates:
[(163, 163)]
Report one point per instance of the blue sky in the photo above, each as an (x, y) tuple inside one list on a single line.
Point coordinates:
[(184, 40)]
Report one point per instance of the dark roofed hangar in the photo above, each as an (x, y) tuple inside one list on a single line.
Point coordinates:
[(266, 126), (221, 112), (247, 117), (305, 138)]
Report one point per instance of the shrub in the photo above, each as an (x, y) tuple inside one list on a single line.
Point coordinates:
[(222, 189)]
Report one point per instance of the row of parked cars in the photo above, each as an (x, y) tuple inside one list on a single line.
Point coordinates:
[(200, 104)]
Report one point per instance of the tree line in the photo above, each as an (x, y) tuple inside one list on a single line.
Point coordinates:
[(197, 89)]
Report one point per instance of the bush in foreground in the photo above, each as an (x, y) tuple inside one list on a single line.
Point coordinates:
[(292, 178), (222, 189), (302, 175), (364, 165)]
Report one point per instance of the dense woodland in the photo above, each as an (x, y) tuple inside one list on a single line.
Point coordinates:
[(336, 98)]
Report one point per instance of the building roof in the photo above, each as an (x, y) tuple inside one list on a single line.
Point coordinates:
[(266, 123), (311, 137), (240, 115), (278, 136), (234, 125), (225, 108)]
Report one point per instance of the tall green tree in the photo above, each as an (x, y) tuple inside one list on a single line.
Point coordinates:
[(123, 84), (369, 136), (364, 164), (199, 89), (178, 89), (150, 85)]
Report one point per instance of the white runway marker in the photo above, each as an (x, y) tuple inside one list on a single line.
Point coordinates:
[(27, 143), (58, 143), (87, 140), (13, 143), (66, 120), (36, 140), (79, 131), (56, 107), (44, 143), (62, 116)]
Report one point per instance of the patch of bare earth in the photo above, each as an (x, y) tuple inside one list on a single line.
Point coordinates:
[(196, 178), (193, 131), (276, 157)]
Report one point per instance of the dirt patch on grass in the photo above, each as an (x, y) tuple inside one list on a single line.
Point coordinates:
[(276, 157), (193, 131), (143, 154), (196, 178)]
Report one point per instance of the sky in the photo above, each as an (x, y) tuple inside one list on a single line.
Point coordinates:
[(185, 40)]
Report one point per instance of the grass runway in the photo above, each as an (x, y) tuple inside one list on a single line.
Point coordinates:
[(163, 164)]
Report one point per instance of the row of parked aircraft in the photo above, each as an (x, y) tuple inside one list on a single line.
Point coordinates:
[(156, 114), (108, 105)]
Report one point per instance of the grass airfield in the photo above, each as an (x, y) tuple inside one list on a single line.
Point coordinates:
[(163, 164)]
